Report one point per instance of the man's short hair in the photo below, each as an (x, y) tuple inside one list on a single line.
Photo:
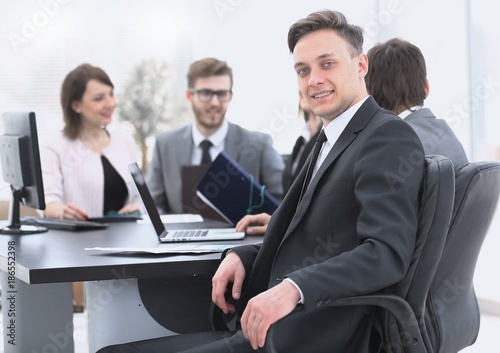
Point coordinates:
[(396, 75), (208, 67), (327, 19)]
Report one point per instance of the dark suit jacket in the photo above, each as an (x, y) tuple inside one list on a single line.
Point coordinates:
[(436, 136), (290, 175), (353, 232), (173, 149)]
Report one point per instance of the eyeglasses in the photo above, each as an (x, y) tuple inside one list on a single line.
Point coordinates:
[(205, 95)]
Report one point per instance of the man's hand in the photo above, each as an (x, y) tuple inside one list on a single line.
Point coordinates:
[(254, 224), (265, 309), (231, 270)]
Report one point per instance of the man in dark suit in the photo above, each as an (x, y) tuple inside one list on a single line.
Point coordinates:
[(209, 91), (351, 231), (397, 79)]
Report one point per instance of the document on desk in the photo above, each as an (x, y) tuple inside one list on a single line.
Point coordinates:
[(186, 248)]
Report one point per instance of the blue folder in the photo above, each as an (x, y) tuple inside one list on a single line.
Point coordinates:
[(231, 191)]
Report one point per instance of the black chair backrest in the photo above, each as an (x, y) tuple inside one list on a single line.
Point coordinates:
[(452, 318), (437, 195)]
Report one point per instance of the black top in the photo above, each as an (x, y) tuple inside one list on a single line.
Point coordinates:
[(297, 160), (115, 189)]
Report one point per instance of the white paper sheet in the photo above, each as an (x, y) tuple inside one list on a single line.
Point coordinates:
[(191, 248)]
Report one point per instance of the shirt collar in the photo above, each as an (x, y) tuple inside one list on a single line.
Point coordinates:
[(407, 112), (217, 138), (337, 125)]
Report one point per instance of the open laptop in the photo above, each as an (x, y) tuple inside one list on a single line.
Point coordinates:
[(175, 235)]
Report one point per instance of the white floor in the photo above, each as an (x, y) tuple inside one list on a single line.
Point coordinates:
[(486, 341)]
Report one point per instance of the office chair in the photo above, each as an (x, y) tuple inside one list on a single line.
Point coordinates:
[(403, 305), (453, 317)]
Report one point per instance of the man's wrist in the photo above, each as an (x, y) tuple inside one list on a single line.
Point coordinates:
[(301, 300)]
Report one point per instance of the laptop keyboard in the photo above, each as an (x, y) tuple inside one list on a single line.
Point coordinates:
[(183, 234)]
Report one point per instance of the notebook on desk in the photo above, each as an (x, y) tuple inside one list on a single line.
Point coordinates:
[(118, 218), (63, 224), (175, 235), (233, 192)]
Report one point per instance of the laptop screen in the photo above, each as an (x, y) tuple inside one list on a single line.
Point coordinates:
[(191, 202), (147, 199)]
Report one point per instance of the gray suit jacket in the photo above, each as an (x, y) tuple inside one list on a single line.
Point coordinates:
[(173, 149), (352, 233), (436, 136)]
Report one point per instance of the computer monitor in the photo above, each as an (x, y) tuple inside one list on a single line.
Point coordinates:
[(21, 168)]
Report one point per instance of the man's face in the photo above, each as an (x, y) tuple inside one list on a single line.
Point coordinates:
[(330, 78), (210, 113)]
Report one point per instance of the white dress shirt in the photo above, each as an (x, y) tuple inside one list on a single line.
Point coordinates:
[(217, 139)]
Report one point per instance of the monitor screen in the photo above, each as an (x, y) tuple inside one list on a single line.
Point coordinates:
[(21, 167)]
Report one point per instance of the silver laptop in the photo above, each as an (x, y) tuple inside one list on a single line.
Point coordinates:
[(175, 235)]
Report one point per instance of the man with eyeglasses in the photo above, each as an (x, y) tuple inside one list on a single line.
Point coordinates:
[(210, 83)]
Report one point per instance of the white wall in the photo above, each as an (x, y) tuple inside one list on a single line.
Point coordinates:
[(439, 29)]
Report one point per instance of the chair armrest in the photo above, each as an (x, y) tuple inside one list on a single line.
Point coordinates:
[(219, 321), (398, 307)]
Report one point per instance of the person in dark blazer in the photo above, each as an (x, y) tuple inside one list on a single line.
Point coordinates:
[(303, 145), (350, 231), (209, 91), (397, 79)]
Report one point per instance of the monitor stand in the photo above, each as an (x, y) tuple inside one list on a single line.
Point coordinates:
[(15, 227)]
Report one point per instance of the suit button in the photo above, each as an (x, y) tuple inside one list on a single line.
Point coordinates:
[(328, 301), (320, 303)]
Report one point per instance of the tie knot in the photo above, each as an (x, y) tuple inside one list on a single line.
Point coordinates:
[(321, 137), (205, 145)]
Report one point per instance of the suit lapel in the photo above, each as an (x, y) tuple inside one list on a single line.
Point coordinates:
[(352, 130), (232, 142)]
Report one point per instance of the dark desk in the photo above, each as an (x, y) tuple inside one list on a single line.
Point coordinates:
[(47, 263)]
